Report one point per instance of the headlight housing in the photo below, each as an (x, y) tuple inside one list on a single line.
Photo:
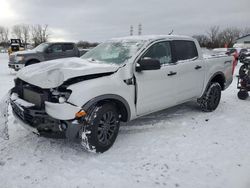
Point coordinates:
[(60, 96), (19, 58)]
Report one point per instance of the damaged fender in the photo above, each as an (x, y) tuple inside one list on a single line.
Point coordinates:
[(64, 111)]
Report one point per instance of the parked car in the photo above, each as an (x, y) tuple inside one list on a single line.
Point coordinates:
[(120, 80), (44, 52), (243, 54)]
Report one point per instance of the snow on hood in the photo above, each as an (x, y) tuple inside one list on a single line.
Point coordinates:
[(51, 74)]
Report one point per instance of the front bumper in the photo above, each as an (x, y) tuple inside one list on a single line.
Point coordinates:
[(15, 66), (40, 122)]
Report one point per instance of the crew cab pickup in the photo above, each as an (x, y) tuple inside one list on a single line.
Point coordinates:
[(44, 52), (119, 80)]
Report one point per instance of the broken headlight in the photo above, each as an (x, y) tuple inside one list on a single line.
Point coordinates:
[(60, 96)]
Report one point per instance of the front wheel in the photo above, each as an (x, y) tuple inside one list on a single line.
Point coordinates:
[(101, 128), (211, 99)]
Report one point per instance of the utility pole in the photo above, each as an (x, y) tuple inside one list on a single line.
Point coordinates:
[(139, 29), (131, 30)]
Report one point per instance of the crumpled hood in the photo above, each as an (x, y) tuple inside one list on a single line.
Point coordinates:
[(51, 74)]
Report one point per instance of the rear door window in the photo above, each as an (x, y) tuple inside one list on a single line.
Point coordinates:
[(55, 48), (68, 47), (184, 50)]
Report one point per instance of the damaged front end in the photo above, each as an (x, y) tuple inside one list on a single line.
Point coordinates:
[(44, 111)]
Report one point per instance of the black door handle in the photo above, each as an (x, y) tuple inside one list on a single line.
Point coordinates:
[(198, 67), (172, 73)]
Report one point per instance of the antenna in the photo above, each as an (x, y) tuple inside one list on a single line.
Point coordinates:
[(139, 29), (171, 32), (131, 30)]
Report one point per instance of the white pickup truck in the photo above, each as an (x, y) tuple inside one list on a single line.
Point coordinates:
[(120, 80)]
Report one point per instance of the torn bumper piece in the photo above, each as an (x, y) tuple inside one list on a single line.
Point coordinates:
[(64, 111), (55, 121)]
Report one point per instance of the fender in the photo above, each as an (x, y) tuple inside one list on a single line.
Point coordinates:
[(222, 83), (117, 98), (31, 59)]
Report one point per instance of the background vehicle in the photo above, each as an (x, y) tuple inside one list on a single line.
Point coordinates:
[(243, 54), (244, 77), (122, 79), (15, 46), (44, 52)]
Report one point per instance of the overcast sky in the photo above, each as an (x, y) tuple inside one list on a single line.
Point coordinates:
[(98, 20)]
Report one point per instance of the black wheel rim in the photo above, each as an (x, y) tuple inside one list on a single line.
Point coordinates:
[(107, 127)]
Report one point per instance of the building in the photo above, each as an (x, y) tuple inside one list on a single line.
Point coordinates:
[(243, 42)]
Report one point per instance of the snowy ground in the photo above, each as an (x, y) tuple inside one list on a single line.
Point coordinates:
[(178, 147)]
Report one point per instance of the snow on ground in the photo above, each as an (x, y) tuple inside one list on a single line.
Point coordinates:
[(177, 147)]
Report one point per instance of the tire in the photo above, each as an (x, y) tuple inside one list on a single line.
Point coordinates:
[(242, 71), (101, 128), (31, 62), (243, 95), (211, 98)]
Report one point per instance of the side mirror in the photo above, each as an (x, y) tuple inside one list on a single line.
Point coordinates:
[(148, 64)]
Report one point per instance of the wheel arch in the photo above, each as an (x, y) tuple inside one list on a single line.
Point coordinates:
[(218, 77), (30, 60), (117, 100)]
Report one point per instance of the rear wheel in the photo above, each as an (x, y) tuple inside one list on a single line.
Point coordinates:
[(101, 128), (243, 94), (211, 99)]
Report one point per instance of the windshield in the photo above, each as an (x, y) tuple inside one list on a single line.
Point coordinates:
[(113, 52), (41, 47)]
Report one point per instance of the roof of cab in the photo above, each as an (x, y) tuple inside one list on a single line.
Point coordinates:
[(152, 38)]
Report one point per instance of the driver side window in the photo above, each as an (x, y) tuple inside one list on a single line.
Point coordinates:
[(160, 51)]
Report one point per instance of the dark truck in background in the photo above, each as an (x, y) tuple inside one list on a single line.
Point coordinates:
[(44, 52)]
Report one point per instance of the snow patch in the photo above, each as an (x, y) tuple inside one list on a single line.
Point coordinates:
[(4, 104)]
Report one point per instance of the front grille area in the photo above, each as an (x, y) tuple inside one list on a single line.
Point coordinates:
[(12, 58), (33, 97), (32, 94), (35, 116)]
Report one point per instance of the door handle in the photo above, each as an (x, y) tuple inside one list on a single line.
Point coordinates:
[(171, 73), (198, 67)]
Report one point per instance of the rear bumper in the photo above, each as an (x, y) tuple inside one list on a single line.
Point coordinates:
[(39, 122)]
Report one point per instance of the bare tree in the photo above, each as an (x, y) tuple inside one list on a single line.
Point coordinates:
[(213, 34), (86, 44), (40, 34), (25, 33), (4, 36), (17, 31), (228, 36), (202, 39)]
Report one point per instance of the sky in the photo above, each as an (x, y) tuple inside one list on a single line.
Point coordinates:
[(99, 20)]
